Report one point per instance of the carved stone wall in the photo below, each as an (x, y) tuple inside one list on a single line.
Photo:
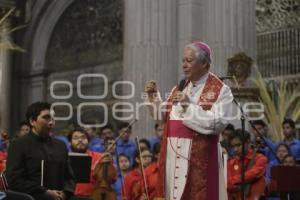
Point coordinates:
[(64, 39), (278, 39), (88, 33), (89, 86), (277, 14), (86, 40)]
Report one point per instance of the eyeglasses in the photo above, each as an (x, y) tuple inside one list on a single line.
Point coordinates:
[(80, 138)]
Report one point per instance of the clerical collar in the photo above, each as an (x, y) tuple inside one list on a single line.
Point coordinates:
[(202, 80)]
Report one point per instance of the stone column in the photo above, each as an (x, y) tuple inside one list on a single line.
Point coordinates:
[(228, 26), (156, 31), (5, 74), (150, 51)]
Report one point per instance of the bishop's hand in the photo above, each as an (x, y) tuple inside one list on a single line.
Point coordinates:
[(151, 90), (181, 98)]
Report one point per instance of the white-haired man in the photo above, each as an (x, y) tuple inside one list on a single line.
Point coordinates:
[(196, 114)]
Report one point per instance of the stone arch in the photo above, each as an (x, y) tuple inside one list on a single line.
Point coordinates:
[(44, 30), (88, 33), (35, 75), (28, 81)]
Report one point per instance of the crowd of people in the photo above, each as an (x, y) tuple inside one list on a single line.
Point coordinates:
[(194, 154), (36, 144), (133, 174), (126, 178), (262, 155)]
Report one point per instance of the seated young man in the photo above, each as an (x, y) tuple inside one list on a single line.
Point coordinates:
[(79, 140), (255, 167)]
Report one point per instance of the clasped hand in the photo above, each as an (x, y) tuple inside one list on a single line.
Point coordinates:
[(181, 98), (58, 195)]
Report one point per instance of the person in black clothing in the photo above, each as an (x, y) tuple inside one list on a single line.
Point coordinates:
[(10, 195), (38, 164)]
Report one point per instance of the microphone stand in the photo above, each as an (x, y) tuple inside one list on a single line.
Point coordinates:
[(242, 118), (142, 168), (242, 157), (243, 171)]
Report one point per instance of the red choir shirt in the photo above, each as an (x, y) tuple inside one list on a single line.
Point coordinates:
[(85, 189), (253, 175), (133, 187), (3, 157), (151, 173)]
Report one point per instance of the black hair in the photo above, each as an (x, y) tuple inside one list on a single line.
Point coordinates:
[(107, 126), (229, 127), (90, 124), (290, 122), (239, 134), (106, 140), (34, 110), (118, 160), (78, 129), (137, 155), (287, 156), (259, 122), (284, 145), (23, 123), (124, 125), (123, 155), (156, 149), (145, 141), (157, 125), (225, 145)]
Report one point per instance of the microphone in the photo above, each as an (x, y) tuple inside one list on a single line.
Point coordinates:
[(181, 85)]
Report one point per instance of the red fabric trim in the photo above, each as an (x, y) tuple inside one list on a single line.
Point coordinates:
[(211, 91), (196, 185), (213, 169), (160, 187), (178, 130)]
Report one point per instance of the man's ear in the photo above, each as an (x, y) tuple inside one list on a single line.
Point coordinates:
[(31, 121), (204, 63), (207, 65)]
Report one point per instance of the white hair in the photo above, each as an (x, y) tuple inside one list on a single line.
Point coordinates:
[(200, 54)]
